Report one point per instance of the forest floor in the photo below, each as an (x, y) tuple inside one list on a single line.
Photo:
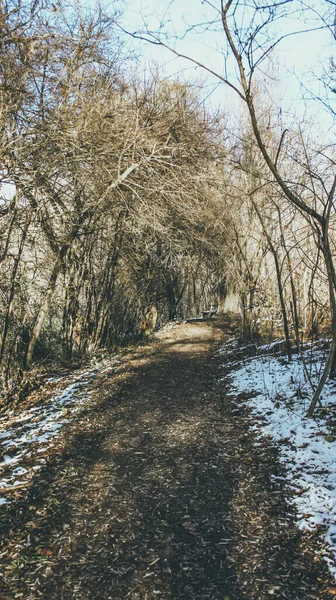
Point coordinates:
[(156, 489)]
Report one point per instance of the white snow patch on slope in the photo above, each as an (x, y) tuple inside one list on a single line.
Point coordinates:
[(25, 435), (306, 445)]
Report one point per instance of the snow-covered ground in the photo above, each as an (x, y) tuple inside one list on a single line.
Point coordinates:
[(307, 447), (25, 436)]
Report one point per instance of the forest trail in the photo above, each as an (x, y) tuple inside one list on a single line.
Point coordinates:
[(158, 491)]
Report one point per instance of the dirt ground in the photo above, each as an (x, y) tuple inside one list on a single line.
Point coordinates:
[(157, 490)]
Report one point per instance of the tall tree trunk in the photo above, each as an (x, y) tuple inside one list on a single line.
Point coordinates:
[(328, 259), (12, 289), (51, 288), (321, 221), (283, 306), (108, 284), (279, 282), (44, 307)]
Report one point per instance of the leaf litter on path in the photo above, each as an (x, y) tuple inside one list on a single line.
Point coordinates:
[(158, 488)]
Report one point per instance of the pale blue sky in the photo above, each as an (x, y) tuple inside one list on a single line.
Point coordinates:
[(302, 54)]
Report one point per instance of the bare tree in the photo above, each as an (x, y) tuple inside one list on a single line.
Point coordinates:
[(250, 40)]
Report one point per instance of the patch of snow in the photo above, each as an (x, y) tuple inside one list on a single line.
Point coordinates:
[(28, 433), (233, 345), (271, 345), (20, 471), (307, 450), (10, 460)]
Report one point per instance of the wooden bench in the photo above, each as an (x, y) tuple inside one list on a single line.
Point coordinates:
[(207, 314)]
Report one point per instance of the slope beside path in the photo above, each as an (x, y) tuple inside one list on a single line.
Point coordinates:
[(157, 490)]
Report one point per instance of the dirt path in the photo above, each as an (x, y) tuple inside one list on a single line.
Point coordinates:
[(158, 492)]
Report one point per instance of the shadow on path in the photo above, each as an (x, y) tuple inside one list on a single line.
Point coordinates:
[(157, 493)]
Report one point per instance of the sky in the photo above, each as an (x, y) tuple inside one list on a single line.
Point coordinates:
[(297, 59)]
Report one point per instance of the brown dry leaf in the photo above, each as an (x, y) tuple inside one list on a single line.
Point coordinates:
[(32, 525), (331, 591)]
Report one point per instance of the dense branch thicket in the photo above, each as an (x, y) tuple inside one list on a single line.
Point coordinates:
[(119, 193), (279, 181), (107, 203)]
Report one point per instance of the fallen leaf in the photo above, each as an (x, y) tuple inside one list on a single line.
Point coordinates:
[(331, 590)]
